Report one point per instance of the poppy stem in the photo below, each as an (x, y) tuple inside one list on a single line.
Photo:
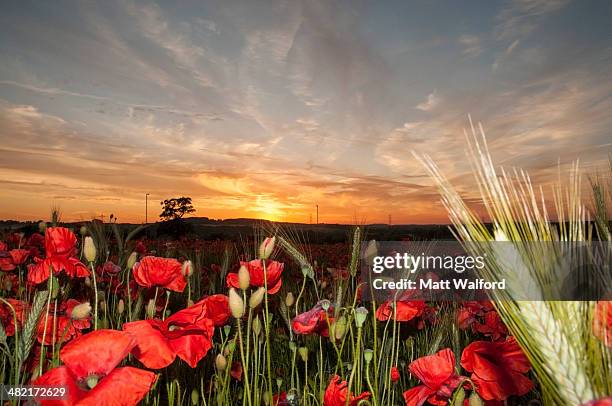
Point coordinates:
[(267, 328), (95, 286), (245, 368), (355, 365)]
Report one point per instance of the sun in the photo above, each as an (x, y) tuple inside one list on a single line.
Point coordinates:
[(268, 208)]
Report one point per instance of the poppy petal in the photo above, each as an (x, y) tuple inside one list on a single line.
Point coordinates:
[(152, 348), (125, 386), (97, 352)]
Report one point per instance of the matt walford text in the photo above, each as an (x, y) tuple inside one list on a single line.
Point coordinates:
[(404, 264)]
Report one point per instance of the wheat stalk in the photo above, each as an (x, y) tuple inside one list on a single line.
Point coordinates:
[(552, 334)]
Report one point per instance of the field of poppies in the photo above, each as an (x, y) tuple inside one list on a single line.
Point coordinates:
[(119, 319)]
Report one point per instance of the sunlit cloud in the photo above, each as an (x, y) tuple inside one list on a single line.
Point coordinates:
[(269, 112)]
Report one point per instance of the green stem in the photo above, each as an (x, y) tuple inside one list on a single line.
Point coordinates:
[(247, 389), (354, 369), (95, 284), (267, 329)]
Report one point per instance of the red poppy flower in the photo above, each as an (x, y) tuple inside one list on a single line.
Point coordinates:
[(274, 270), (602, 322), (405, 310), (278, 398), (61, 326), (159, 272), (481, 317), (60, 241), (7, 318), (60, 248), (497, 368), (19, 256), (217, 309), (313, 321), (337, 392), (395, 376), (6, 262), (35, 240), (3, 246), (187, 334), (90, 372), (236, 370), (437, 372), (599, 402)]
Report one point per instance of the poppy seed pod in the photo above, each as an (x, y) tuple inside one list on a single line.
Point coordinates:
[(89, 249), (236, 304), (361, 313), (81, 311), (187, 269), (220, 362), (244, 278), (266, 247), (83, 231), (257, 297), (132, 259), (195, 397), (120, 307), (289, 299)]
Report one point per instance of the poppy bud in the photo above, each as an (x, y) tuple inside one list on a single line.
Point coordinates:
[(190, 303), (475, 400), (339, 328), (360, 316), (132, 259), (303, 351), (83, 231), (292, 346), (279, 382), (266, 398), (257, 297), (42, 227), (371, 251), (289, 299), (227, 329), (81, 311), (266, 247), (195, 397), (244, 278), (220, 362), (187, 269), (89, 249), (459, 397), (151, 308), (120, 306), (367, 355), (236, 304), (257, 325)]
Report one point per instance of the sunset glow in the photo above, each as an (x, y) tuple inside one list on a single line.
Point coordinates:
[(268, 111)]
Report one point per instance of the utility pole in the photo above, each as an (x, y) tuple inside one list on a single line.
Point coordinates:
[(317, 214), (147, 208)]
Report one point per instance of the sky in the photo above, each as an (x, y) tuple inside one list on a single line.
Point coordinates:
[(265, 109)]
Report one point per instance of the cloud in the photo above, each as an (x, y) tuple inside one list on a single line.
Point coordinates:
[(432, 101), (471, 45), (520, 17)]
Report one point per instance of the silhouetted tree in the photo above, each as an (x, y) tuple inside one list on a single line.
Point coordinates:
[(176, 208)]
